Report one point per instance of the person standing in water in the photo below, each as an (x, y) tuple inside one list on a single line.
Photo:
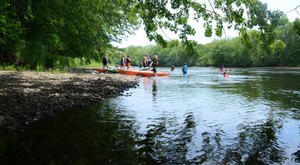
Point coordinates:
[(225, 74), (222, 69), (154, 64), (172, 68), (184, 69)]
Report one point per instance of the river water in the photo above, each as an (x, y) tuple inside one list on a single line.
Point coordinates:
[(252, 117)]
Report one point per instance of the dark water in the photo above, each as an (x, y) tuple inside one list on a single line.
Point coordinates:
[(252, 117)]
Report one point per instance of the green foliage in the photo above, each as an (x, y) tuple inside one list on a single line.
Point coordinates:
[(297, 26), (10, 28), (13, 67), (82, 29), (283, 51), (51, 34), (158, 14)]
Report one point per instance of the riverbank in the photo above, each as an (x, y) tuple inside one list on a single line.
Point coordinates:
[(29, 96)]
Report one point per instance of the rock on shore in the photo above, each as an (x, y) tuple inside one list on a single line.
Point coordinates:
[(29, 96)]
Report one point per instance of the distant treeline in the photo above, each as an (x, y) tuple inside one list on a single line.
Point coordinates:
[(235, 52)]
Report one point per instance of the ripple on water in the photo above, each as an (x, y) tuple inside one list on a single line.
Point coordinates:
[(252, 117)]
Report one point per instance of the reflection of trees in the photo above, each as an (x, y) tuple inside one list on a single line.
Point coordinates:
[(211, 146), (282, 89), (296, 156), (258, 144), (99, 135), (166, 142), (255, 144)]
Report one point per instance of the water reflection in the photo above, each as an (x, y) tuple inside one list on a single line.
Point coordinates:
[(154, 88), (277, 90), (150, 84), (165, 143), (89, 137), (250, 118), (146, 83)]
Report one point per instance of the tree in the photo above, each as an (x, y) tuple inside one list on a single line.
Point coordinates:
[(82, 29), (10, 32), (85, 29), (297, 26), (175, 16)]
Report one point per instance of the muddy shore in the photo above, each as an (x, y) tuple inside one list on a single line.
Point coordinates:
[(29, 96)]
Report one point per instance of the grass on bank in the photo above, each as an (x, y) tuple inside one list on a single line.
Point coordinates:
[(58, 66)]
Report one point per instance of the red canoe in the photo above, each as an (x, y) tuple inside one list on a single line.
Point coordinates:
[(101, 70), (106, 70), (146, 73)]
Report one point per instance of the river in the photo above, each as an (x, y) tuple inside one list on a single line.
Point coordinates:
[(251, 117)]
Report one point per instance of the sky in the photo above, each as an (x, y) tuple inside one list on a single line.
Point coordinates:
[(140, 38)]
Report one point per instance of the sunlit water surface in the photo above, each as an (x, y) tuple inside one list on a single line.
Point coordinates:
[(252, 117)]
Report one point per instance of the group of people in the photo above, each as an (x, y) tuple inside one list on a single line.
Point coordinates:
[(125, 62), (148, 63), (224, 71), (184, 69)]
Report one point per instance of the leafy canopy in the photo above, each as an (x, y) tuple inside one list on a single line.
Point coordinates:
[(85, 29), (175, 14)]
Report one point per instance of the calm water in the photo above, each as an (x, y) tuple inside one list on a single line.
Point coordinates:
[(252, 117)]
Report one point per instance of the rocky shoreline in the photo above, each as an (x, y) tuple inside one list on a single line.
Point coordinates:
[(29, 96)]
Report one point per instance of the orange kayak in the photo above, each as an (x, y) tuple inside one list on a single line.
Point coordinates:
[(106, 70), (145, 73)]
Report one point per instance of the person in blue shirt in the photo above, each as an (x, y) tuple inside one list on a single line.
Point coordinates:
[(184, 69)]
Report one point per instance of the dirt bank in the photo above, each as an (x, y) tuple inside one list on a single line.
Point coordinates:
[(30, 96)]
